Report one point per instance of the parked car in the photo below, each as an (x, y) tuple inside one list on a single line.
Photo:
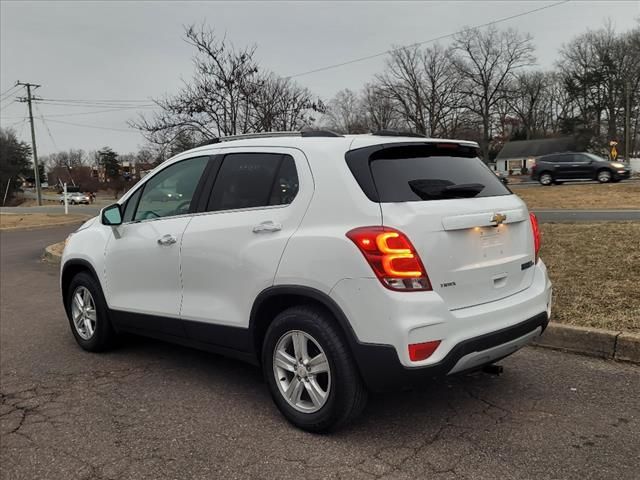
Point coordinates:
[(76, 198), (560, 167), (339, 264)]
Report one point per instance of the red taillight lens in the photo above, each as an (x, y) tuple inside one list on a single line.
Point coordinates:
[(392, 258), (422, 351), (537, 238)]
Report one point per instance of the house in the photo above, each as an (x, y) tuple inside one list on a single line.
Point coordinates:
[(522, 153)]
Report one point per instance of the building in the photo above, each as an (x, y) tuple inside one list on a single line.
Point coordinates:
[(516, 155)]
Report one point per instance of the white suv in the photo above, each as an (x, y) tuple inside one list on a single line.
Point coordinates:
[(340, 264)]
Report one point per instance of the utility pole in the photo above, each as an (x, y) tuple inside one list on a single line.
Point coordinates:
[(627, 123), (36, 169)]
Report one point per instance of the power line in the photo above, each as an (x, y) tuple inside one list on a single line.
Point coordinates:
[(73, 100), (84, 113), (7, 91), (417, 44), (93, 126), (98, 105), (10, 103), (47, 127)]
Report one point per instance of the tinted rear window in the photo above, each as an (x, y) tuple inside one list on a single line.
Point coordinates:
[(412, 173), (251, 180)]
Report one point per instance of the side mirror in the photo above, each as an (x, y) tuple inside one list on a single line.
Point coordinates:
[(111, 215)]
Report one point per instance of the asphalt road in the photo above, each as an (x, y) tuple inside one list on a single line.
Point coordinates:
[(153, 410)]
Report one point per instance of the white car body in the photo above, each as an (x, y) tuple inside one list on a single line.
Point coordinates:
[(486, 280)]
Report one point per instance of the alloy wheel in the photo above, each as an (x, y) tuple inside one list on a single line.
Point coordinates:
[(302, 371), (83, 313)]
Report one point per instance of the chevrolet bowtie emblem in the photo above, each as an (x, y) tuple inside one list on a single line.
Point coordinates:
[(499, 218)]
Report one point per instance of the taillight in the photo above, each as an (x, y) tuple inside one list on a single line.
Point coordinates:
[(392, 258), (537, 239)]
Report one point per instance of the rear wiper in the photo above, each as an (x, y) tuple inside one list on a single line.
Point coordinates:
[(443, 189), (465, 190)]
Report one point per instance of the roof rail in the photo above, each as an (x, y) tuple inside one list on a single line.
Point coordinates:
[(397, 133), (304, 133)]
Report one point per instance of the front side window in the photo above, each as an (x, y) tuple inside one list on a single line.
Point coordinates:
[(250, 180), (171, 190), (130, 207)]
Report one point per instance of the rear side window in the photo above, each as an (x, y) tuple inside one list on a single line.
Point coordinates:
[(250, 180), (410, 173)]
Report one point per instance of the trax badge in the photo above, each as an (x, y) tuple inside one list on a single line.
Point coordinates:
[(499, 218)]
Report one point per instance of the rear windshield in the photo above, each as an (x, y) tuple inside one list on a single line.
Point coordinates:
[(411, 173)]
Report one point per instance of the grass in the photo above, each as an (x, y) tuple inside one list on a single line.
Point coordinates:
[(11, 221), (595, 270), (585, 196)]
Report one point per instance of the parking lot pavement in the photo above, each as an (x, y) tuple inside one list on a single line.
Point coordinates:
[(152, 410)]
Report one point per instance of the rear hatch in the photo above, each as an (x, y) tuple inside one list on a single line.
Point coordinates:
[(473, 235)]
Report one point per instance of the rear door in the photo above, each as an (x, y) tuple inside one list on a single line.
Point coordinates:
[(230, 252), (472, 234), (566, 169)]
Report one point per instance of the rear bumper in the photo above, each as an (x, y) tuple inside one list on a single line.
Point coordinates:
[(386, 322), (381, 370)]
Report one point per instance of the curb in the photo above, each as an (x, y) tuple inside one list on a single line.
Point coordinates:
[(593, 342), (50, 255)]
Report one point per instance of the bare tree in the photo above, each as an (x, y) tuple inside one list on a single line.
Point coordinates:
[(379, 109), (404, 83), (279, 105), (485, 61), (229, 94), (346, 114), (526, 99)]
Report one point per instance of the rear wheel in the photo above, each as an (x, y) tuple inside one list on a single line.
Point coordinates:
[(604, 176), (546, 179), (87, 313), (311, 375)]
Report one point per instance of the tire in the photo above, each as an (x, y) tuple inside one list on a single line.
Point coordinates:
[(345, 393), (604, 176), (103, 336), (546, 179)]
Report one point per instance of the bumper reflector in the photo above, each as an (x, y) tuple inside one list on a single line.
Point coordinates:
[(422, 351)]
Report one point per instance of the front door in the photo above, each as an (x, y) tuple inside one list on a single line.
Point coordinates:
[(581, 166), (142, 264), (231, 252)]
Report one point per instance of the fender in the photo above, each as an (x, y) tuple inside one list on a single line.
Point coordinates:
[(74, 264), (304, 292)]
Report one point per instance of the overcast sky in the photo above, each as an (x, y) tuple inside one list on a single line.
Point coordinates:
[(135, 51)]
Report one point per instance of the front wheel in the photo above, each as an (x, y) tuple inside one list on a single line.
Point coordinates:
[(310, 372), (546, 179), (604, 176), (88, 315)]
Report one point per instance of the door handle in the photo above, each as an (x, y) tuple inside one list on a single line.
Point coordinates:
[(267, 227), (166, 240)]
